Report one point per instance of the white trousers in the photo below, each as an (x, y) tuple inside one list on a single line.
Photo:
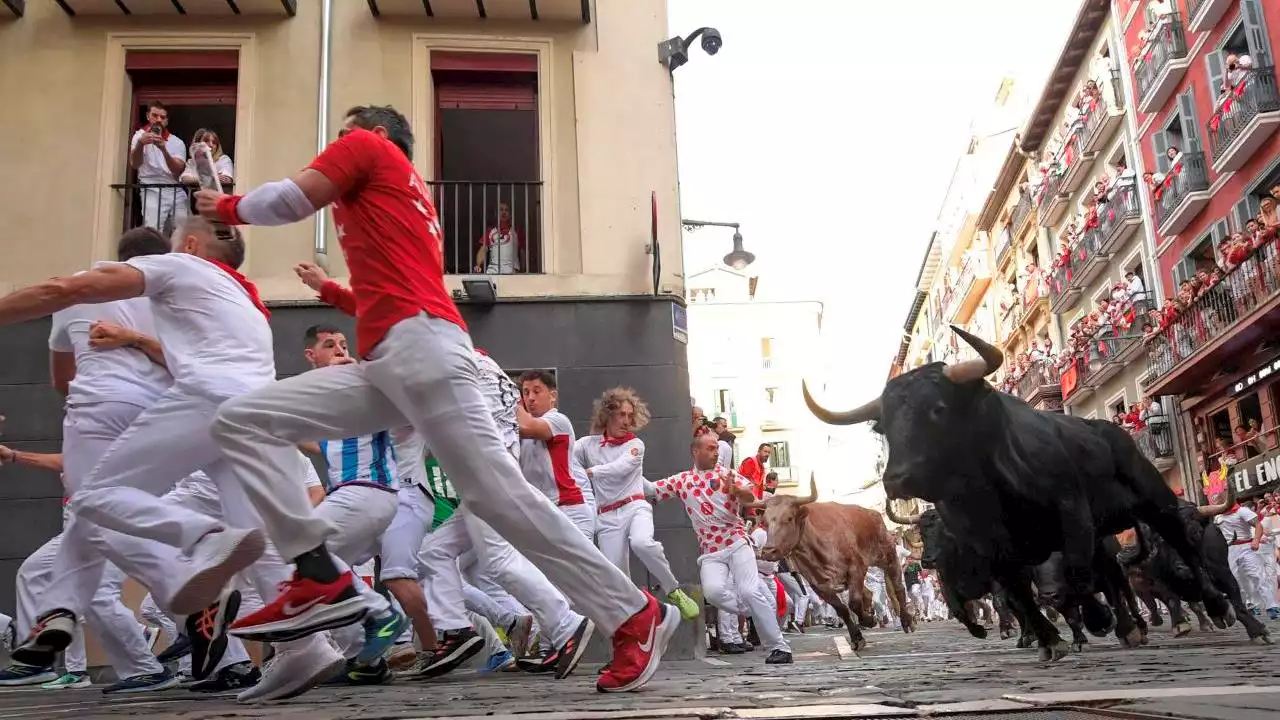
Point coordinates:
[(727, 625), (583, 517), (443, 402), (1246, 565), (1267, 555), (149, 534), (731, 583), (799, 600), (360, 515), (630, 529), (445, 600), (117, 628), (403, 538), (164, 208)]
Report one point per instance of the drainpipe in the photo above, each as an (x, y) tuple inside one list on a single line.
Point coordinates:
[(321, 250)]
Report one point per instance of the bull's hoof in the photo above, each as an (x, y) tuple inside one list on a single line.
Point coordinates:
[(1006, 633), (1263, 639), (978, 631), (1133, 639), (1098, 619), (1051, 614), (1077, 647), (1157, 621), (1026, 641), (1055, 652), (859, 645), (1181, 629)]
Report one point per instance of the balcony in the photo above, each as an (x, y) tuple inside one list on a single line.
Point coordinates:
[(1119, 218), (1104, 118), (1053, 201), (1205, 14), (1076, 384), (1114, 352), (193, 8), (1009, 320), (1163, 64), (1244, 122), (1184, 195), (1233, 317), (1021, 213), (1035, 297), (1004, 243), (1155, 440), (155, 206), (1039, 386), (1063, 290), (1088, 259), (1076, 162), (543, 11), (963, 299), (470, 221)]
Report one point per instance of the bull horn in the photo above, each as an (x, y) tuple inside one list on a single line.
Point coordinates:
[(989, 360), (870, 411), (889, 513), (813, 492), (1214, 510)]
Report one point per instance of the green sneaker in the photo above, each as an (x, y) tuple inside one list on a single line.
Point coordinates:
[(69, 681), (689, 609)]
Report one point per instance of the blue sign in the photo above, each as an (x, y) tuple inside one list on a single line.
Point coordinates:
[(680, 323)]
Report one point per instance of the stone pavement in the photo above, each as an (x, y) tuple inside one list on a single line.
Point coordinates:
[(939, 669)]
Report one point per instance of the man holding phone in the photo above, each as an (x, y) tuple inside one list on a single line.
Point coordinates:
[(159, 158)]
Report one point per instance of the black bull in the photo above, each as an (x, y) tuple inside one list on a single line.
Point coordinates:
[(1017, 485)]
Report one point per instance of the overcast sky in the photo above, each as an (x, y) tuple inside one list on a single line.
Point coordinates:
[(830, 129)]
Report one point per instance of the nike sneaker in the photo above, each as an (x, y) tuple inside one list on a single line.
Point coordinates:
[(304, 607), (638, 646)]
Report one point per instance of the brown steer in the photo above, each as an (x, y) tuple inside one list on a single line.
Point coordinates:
[(831, 546)]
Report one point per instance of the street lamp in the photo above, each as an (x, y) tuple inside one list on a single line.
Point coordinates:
[(738, 258)]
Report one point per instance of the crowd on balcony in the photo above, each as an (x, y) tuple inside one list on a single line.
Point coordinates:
[(165, 167), (1039, 359), (1140, 415), (1246, 271), (1159, 30), (1235, 80), (1106, 190), (1114, 317)]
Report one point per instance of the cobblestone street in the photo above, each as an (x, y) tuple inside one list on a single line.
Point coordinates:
[(939, 669)]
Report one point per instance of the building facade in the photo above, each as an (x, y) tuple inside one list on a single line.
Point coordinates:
[(532, 149), (1206, 110), (746, 357)]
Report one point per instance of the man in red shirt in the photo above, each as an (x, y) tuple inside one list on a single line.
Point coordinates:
[(418, 366), (753, 469)]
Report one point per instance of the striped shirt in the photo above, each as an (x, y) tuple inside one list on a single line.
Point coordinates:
[(367, 460), (442, 494)]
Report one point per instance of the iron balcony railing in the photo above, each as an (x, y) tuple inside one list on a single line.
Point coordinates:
[(1021, 212), (958, 292), (1039, 373), (1099, 114), (1084, 371), (1004, 242), (1193, 8), (1086, 254), (1254, 95), (470, 220), (1060, 282), (1049, 192), (156, 206), (1155, 439), (1217, 312), (1168, 42), (1190, 176), (1122, 205)]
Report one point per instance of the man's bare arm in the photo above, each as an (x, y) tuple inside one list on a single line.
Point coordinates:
[(43, 461), (62, 370), (109, 336), (111, 282)]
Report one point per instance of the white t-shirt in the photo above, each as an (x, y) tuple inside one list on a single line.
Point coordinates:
[(124, 375), (759, 537), (724, 453), (221, 166), (502, 396), (501, 249), (216, 342), (153, 170), (310, 478), (1237, 526), (546, 465), (616, 469)]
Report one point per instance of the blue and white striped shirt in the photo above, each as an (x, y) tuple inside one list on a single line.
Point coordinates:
[(368, 460)]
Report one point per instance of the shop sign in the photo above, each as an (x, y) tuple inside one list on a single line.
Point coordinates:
[(1255, 377), (1258, 475)]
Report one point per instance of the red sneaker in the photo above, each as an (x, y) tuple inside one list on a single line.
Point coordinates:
[(638, 647), (303, 607)]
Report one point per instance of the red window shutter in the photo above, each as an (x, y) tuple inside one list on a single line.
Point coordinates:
[(182, 60), (468, 96), (483, 62)]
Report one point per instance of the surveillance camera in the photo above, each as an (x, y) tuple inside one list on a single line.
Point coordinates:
[(711, 41)]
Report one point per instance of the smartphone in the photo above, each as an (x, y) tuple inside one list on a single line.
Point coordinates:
[(204, 168)]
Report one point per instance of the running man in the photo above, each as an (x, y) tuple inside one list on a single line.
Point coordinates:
[(389, 233)]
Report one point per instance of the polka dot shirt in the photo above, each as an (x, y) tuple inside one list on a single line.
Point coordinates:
[(714, 512)]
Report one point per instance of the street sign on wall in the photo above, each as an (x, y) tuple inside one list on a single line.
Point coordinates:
[(680, 323)]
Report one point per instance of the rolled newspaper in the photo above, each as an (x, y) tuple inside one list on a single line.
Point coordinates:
[(205, 169)]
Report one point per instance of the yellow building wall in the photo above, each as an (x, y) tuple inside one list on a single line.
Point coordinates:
[(606, 113)]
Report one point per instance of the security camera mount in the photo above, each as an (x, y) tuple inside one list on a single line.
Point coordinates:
[(675, 52)]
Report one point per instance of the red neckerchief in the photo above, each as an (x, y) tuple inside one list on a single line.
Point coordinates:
[(482, 352), (615, 441), (250, 289)]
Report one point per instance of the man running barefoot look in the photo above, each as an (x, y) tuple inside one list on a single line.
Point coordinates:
[(419, 366)]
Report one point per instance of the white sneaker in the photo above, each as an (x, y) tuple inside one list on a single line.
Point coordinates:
[(294, 670), (219, 555)]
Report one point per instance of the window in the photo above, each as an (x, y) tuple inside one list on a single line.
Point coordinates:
[(198, 90), (1202, 255), (723, 403), (487, 177), (702, 294), (766, 353), (1219, 430), (781, 455)]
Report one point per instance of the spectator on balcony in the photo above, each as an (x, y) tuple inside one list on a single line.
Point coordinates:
[(1267, 215), (500, 247), (1124, 176), (1175, 159), (1248, 443), (1239, 69), (221, 161), (1137, 291), (1161, 13), (159, 157)]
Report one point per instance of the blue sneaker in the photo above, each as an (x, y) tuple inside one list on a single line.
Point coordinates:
[(149, 682), (1273, 613), (500, 661), (380, 634), (17, 674)]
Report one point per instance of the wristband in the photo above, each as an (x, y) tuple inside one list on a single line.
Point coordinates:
[(226, 209)]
